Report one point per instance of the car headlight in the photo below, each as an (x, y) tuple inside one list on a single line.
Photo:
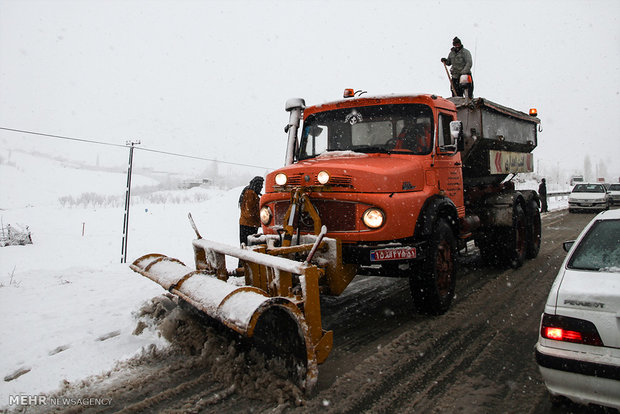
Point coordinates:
[(265, 215), (373, 218), (281, 179), (323, 177)]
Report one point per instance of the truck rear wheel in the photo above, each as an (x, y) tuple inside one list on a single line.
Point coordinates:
[(489, 246), (533, 230), (432, 286), (516, 239)]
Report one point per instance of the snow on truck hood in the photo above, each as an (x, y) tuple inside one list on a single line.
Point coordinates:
[(369, 172)]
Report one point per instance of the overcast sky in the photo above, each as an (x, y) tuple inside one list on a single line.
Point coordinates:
[(210, 78)]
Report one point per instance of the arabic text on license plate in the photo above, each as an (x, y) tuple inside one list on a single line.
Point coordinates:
[(401, 253)]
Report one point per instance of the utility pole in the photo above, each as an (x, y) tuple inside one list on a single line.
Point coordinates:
[(131, 145)]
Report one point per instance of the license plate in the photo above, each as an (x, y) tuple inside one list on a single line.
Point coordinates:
[(399, 253)]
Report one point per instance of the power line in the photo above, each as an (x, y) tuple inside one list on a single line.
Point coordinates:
[(201, 158), (125, 146), (61, 137)]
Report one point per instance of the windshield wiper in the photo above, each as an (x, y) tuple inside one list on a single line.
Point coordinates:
[(371, 148)]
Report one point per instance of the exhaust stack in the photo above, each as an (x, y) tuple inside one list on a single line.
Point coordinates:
[(294, 107)]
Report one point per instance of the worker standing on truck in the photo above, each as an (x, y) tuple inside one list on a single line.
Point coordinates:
[(460, 61), (542, 192), (249, 220)]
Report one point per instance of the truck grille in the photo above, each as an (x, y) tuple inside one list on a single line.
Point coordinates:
[(335, 180), (336, 215)]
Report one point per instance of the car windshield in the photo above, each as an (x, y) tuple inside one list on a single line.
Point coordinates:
[(589, 188), (404, 128), (614, 187), (599, 250)]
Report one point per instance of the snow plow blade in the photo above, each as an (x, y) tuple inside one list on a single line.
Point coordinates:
[(278, 306)]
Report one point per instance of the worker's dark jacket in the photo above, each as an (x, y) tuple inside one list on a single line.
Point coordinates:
[(460, 62)]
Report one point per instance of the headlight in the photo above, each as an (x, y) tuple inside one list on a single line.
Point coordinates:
[(265, 215), (281, 179), (323, 177), (373, 218)]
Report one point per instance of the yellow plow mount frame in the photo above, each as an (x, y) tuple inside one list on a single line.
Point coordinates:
[(269, 281), (277, 288)]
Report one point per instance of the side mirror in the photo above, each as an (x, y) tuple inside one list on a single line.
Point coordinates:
[(567, 245), (456, 132), (449, 149)]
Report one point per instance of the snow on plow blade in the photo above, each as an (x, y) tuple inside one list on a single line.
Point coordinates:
[(266, 309)]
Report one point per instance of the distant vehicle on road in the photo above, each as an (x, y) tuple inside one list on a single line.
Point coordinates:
[(578, 349), (614, 194), (588, 197), (576, 179)]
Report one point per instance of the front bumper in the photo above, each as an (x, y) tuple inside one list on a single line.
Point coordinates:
[(587, 206), (582, 377)]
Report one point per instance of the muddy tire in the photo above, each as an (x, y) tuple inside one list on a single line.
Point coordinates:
[(490, 248), (515, 246), (534, 230), (432, 285)]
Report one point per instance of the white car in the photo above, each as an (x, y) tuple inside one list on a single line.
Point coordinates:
[(588, 197), (614, 193), (578, 349)]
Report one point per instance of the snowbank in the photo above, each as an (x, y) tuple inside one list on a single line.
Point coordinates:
[(68, 306)]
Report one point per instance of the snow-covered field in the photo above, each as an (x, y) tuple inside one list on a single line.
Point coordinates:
[(68, 306)]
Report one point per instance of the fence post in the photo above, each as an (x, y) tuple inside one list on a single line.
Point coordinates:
[(131, 145)]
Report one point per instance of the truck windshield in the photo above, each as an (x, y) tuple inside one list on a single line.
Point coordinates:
[(403, 128)]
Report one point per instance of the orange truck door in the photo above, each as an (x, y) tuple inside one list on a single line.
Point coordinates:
[(448, 164)]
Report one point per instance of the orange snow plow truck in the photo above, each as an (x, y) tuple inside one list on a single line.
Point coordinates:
[(386, 185)]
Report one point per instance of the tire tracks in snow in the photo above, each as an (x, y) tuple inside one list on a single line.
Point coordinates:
[(481, 362)]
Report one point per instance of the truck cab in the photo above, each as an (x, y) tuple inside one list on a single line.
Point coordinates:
[(369, 165), (386, 176)]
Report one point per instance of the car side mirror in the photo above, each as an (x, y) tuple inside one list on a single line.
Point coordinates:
[(567, 245)]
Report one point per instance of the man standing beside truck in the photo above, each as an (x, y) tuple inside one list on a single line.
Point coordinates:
[(249, 220), (542, 193), (460, 61)]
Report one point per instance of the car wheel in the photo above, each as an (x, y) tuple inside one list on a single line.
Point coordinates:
[(558, 400)]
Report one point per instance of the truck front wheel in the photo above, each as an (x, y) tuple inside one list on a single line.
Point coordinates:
[(432, 285)]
